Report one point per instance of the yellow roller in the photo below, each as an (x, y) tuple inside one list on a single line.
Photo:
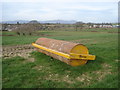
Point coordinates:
[(70, 53)]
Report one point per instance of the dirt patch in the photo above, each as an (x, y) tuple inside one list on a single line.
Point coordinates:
[(99, 75), (18, 50), (59, 78), (38, 67), (41, 67), (7, 35), (45, 35), (102, 73), (31, 59), (117, 60), (86, 78), (27, 35)]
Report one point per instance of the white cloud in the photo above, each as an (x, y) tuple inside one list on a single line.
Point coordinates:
[(59, 1), (0, 12), (93, 8), (66, 11)]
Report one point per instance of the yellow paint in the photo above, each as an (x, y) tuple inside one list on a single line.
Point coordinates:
[(52, 51), (78, 55), (71, 56), (79, 49), (82, 56), (80, 52), (77, 62)]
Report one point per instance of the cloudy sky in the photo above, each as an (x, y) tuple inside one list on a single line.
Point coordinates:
[(79, 10)]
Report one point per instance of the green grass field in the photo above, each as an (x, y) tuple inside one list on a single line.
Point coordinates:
[(46, 72)]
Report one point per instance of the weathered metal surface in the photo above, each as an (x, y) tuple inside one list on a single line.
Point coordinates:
[(59, 45), (64, 47)]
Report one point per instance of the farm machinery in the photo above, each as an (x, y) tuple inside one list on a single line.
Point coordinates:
[(74, 54)]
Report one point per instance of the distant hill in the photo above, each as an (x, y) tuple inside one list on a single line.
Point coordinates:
[(49, 21), (34, 22), (59, 21), (15, 22)]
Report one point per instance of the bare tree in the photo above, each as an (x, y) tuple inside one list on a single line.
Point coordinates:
[(79, 24), (25, 29), (4, 27)]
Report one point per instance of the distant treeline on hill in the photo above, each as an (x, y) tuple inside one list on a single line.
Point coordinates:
[(48, 21)]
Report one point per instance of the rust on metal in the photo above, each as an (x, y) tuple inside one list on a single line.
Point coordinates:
[(66, 48)]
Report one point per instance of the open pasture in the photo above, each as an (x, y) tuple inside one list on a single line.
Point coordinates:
[(46, 72)]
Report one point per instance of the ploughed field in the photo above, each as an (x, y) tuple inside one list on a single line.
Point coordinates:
[(24, 67)]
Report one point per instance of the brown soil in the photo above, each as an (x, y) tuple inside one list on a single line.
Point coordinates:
[(7, 35), (18, 50)]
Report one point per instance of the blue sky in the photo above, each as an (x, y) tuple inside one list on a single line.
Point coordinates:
[(94, 11)]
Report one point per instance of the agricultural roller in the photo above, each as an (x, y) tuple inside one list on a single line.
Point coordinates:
[(74, 54)]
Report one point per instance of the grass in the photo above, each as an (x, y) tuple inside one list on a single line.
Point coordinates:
[(46, 72), (20, 40), (60, 35)]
